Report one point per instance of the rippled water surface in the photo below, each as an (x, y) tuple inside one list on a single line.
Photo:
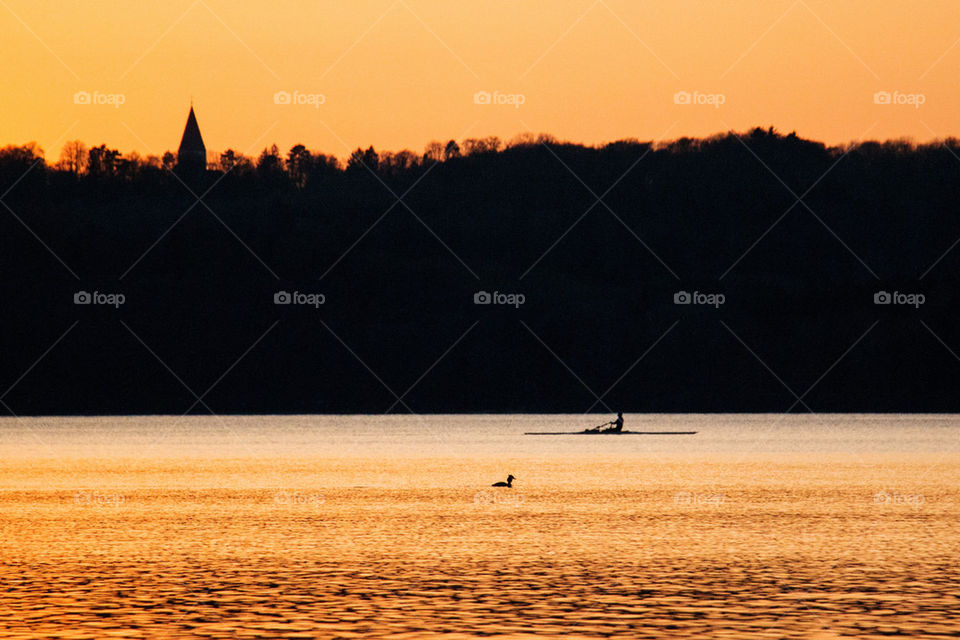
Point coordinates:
[(323, 527)]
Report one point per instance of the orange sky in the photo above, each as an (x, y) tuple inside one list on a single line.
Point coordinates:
[(399, 73)]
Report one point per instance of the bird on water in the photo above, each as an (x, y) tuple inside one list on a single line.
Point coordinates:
[(508, 483)]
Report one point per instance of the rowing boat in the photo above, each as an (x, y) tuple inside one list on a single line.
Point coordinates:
[(609, 433)]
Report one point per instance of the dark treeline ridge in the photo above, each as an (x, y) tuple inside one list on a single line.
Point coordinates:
[(797, 236)]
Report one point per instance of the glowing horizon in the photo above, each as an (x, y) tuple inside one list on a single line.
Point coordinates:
[(397, 74)]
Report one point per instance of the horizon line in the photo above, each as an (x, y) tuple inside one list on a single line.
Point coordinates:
[(535, 139)]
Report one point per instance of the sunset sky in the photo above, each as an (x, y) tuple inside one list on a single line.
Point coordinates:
[(398, 73)]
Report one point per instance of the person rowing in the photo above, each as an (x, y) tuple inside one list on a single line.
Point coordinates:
[(616, 426)]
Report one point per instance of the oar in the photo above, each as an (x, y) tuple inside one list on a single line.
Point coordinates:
[(598, 426)]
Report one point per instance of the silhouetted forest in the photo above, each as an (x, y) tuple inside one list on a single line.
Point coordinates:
[(797, 239)]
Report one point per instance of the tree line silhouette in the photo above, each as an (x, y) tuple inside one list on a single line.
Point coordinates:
[(798, 236), (298, 165)]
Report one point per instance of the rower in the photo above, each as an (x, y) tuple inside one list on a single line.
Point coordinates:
[(617, 424)]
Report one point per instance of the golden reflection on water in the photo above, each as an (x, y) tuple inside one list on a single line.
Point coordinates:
[(302, 546)]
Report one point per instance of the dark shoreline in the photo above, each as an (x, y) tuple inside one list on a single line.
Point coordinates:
[(698, 282)]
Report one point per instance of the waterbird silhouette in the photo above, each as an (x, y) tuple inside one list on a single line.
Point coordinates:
[(508, 483)]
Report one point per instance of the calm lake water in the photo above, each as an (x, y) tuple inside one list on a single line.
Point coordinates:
[(386, 526)]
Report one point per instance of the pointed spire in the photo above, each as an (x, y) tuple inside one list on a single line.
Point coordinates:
[(192, 154), (192, 141)]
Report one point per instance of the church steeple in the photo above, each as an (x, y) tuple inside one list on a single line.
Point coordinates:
[(192, 154)]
